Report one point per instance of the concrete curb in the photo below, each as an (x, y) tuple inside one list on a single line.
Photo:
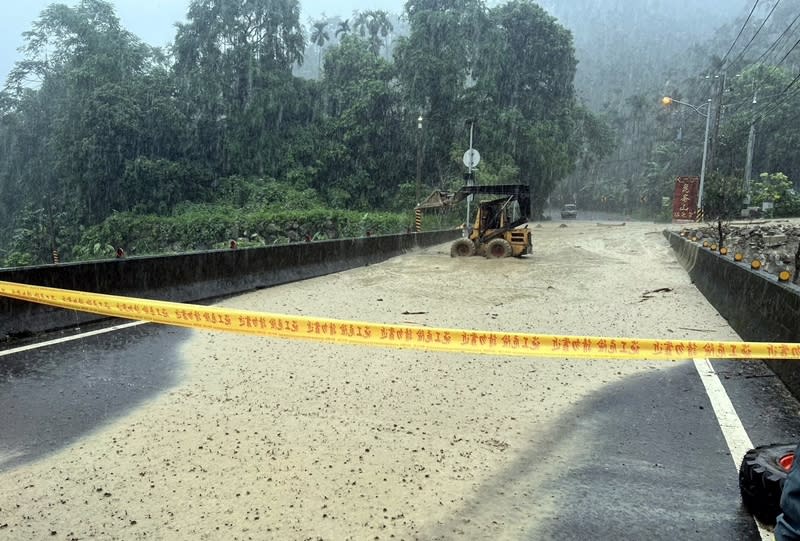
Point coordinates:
[(757, 306)]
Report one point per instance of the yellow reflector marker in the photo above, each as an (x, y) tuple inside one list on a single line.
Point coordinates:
[(713, 247), (694, 239), (706, 244), (784, 276), (738, 257), (755, 264), (723, 251)]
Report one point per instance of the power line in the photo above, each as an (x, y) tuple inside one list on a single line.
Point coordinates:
[(775, 43), (765, 109), (790, 85), (749, 99), (790, 121), (788, 53), (782, 98), (741, 53), (768, 108), (742, 127), (755, 5)]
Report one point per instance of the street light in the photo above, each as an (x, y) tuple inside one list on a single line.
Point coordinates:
[(666, 100), (419, 156)]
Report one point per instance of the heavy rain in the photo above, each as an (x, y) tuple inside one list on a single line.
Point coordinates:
[(337, 160)]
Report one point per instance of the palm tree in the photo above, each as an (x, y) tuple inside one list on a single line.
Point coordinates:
[(376, 24), (383, 27), (344, 28), (638, 104), (360, 24), (318, 37)]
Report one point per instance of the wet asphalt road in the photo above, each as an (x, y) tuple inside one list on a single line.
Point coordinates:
[(654, 461), (52, 396), (656, 465)]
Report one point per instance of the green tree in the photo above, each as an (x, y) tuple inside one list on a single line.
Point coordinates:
[(774, 115), (233, 64), (319, 37), (359, 166), (434, 64), (158, 186), (343, 29), (638, 105), (510, 70), (776, 188), (527, 75), (37, 232), (227, 50), (722, 197), (90, 121), (376, 25)]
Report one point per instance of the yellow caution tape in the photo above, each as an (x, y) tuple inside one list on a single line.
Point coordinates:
[(397, 336)]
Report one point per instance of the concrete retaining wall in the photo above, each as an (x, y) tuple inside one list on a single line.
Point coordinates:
[(756, 304), (196, 276)]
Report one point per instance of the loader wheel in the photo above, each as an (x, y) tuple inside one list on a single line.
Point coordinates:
[(761, 478), (498, 248), (462, 248)]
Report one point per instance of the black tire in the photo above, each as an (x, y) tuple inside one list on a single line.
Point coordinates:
[(462, 248), (761, 479), (498, 249)]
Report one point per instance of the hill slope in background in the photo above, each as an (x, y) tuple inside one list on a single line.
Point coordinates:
[(625, 46)]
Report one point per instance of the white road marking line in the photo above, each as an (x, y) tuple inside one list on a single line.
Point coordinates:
[(735, 435), (70, 338)]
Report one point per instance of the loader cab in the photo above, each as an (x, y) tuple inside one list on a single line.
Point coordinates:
[(490, 216)]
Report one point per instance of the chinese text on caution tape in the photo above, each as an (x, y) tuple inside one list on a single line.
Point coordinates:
[(399, 336)]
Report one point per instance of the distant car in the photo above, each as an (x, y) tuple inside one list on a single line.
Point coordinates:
[(569, 212)]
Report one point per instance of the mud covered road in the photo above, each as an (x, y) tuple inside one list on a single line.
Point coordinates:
[(196, 435)]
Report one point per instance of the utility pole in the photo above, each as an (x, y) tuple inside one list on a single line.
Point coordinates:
[(717, 117), (419, 158), (470, 181), (704, 165), (748, 168)]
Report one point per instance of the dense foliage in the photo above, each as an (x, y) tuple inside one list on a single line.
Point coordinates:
[(751, 81), (103, 138)]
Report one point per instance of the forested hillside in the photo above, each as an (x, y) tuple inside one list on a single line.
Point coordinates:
[(625, 47), (733, 52), (96, 125)]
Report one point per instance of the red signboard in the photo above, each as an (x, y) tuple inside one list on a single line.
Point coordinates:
[(684, 201)]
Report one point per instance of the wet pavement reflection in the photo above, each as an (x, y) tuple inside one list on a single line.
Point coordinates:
[(51, 396)]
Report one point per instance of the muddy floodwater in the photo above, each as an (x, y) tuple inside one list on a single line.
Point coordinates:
[(263, 438)]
